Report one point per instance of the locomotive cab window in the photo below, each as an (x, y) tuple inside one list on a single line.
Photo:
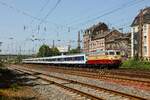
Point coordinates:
[(111, 53), (117, 53)]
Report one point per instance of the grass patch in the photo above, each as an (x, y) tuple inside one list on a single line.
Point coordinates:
[(137, 64)]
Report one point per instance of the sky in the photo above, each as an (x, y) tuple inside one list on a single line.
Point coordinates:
[(27, 24)]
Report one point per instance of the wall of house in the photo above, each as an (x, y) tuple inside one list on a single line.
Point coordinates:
[(148, 36), (134, 30), (146, 40), (86, 40), (98, 44)]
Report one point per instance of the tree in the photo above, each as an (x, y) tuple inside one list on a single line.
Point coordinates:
[(44, 51), (74, 51), (55, 51)]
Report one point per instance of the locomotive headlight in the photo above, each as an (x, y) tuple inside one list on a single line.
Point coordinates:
[(115, 57), (110, 58)]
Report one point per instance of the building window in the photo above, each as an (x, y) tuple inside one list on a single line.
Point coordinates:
[(144, 29), (145, 39), (145, 50), (133, 29)]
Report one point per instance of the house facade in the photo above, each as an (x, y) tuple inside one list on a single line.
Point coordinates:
[(93, 38), (99, 37), (141, 21)]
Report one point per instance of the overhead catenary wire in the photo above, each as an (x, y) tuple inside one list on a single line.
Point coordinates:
[(42, 8), (123, 6), (50, 12), (28, 14), (69, 27), (105, 13)]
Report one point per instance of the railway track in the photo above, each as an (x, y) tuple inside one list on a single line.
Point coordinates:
[(81, 95), (97, 93), (104, 75), (121, 72), (142, 83)]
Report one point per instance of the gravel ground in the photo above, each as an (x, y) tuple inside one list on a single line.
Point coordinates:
[(19, 89), (42, 90), (113, 86), (54, 92), (101, 94)]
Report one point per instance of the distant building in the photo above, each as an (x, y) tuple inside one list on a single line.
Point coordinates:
[(93, 38), (63, 49), (141, 21), (119, 41), (100, 37)]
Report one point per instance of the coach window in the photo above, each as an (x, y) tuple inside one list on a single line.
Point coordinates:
[(76, 58), (82, 57), (62, 59), (73, 58), (65, 59), (52, 59), (58, 59), (79, 58), (69, 59)]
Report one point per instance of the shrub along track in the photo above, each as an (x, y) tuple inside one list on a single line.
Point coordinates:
[(73, 86)]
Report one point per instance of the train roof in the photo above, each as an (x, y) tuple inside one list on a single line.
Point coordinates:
[(52, 57)]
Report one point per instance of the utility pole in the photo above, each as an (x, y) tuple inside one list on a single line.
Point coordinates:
[(53, 43), (79, 47), (140, 51)]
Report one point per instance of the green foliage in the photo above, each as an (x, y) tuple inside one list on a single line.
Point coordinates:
[(45, 51), (19, 59), (55, 51), (1, 63), (14, 86), (74, 51), (135, 63)]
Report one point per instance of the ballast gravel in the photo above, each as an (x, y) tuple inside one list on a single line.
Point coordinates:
[(50, 91), (53, 92), (113, 86)]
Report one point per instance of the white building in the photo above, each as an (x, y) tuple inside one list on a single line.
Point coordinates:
[(135, 47)]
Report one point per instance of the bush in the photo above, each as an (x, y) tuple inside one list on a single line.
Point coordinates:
[(134, 63), (14, 86), (1, 63)]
